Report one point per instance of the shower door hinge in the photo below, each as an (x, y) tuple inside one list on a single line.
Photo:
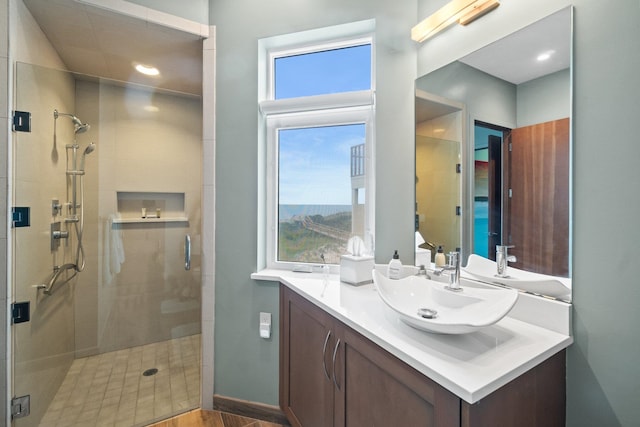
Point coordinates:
[(20, 406), (20, 216), (458, 211), (21, 121), (20, 312), (458, 168)]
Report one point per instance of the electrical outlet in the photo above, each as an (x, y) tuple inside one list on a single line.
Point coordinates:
[(265, 325)]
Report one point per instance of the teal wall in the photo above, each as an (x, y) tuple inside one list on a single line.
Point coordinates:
[(603, 373), (193, 10), (603, 369), (246, 366)]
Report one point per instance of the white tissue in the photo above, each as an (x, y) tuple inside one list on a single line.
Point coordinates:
[(356, 267), (355, 246)]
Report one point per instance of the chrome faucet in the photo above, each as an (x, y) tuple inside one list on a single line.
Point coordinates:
[(453, 270), (503, 259), (422, 271)]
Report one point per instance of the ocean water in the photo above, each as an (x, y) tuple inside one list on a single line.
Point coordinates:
[(286, 212)]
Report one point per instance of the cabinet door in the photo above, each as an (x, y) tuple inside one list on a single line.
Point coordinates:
[(377, 389), (306, 392), (535, 398)]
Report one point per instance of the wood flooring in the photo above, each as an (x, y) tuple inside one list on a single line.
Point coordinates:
[(202, 418)]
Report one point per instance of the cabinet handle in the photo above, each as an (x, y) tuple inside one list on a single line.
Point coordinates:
[(324, 352), (335, 352)]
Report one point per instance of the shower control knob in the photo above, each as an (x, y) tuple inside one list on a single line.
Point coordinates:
[(60, 234)]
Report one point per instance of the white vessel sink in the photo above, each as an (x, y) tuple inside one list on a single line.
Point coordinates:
[(416, 298), (485, 269)]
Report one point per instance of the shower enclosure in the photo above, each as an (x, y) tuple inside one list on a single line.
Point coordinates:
[(107, 257)]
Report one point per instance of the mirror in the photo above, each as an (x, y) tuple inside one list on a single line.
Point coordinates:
[(493, 144)]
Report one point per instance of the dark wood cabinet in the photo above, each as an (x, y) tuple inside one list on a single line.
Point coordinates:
[(306, 389), (377, 389), (332, 376)]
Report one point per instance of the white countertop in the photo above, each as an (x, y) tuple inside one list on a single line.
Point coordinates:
[(471, 366)]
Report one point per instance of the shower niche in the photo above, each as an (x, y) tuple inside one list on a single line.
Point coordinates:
[(149, 207)]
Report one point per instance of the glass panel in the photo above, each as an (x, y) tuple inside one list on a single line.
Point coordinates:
[(319, 73), (438, 192), (321, 179), (119, 341)]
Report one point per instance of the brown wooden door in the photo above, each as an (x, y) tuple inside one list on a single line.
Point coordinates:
[(306, 392), (537, 211), (375, 389)]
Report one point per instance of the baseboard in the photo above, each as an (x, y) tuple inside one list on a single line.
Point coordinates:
[(244, 408)]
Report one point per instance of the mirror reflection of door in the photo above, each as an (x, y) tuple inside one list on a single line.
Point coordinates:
[(521, 195), (487, 205), (537, 211)]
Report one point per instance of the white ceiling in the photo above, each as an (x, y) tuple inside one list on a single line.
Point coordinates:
[(513, 58), (98, 42)]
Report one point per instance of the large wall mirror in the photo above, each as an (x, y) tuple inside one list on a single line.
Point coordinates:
[(493, 150)]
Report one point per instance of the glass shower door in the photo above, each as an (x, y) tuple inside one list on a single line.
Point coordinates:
[(114, 329)]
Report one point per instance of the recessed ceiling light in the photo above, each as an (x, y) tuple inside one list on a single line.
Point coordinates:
[(147, 70), (545, 55), (151, 108)]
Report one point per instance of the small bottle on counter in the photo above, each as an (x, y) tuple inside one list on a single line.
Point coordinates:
[(440, 259), (394, 270), (157, 212)]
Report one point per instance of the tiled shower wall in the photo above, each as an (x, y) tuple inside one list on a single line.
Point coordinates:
[(149, 297)]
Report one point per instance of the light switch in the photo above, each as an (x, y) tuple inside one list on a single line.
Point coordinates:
[(265, 325)]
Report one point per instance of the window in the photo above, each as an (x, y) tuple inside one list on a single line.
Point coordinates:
[(318, 122), (344, 69)]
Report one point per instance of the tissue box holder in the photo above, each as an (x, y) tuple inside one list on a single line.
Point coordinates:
[(356, 270)]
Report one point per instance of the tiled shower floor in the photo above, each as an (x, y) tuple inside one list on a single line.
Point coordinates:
[(110, 389)]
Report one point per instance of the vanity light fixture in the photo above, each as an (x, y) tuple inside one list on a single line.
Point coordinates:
[(462, 11), (147, 70)]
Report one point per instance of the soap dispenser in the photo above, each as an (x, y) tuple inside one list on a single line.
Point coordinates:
[(440, 260), (394, 270)]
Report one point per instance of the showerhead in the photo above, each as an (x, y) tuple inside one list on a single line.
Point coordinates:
[(79, 127), (86, 151)]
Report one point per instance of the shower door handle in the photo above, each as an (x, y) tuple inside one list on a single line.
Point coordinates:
[(187, 252)]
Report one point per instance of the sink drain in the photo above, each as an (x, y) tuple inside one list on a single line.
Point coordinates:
[(150, 372), (427, 313)]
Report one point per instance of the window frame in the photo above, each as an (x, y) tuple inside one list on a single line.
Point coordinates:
[(344, 108)]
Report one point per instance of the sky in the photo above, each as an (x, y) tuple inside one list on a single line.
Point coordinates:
[(314, 163)]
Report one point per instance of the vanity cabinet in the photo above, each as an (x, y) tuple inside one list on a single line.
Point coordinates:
[(332, 376)]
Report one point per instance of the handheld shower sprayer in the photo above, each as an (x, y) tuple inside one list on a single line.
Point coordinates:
[(86, 151)]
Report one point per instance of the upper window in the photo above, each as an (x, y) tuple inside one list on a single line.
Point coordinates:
[(323, 72), (319, 169)]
